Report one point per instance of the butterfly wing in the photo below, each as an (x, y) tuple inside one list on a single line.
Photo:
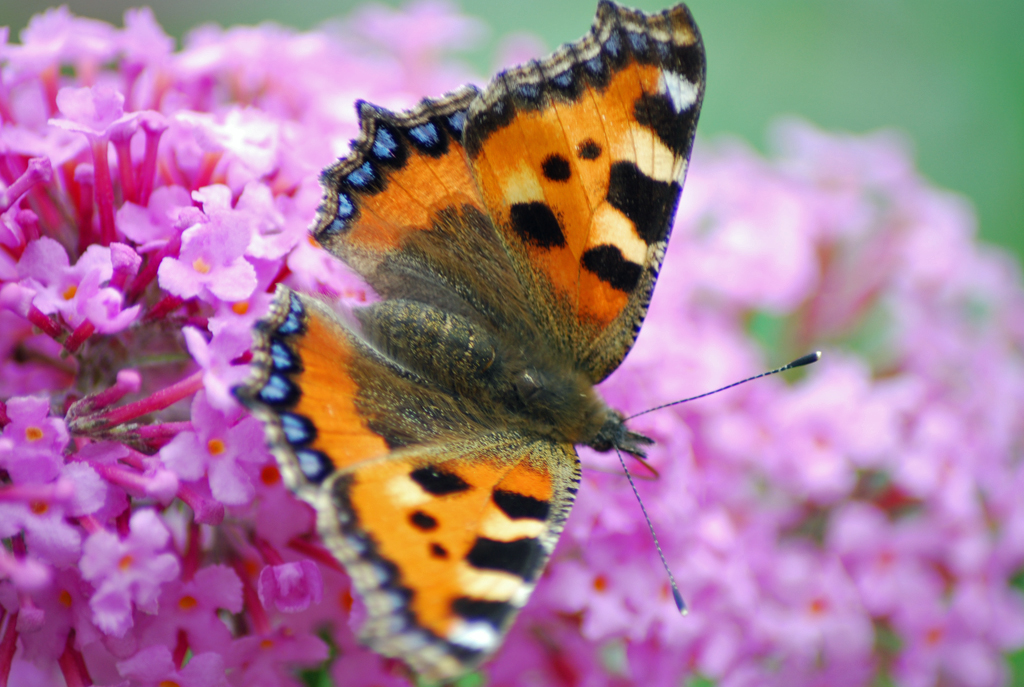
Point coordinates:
[(580, 159), (445, 543), (444, 525), (404, 211)]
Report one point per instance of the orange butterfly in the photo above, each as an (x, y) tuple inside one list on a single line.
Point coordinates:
[(514, 236)]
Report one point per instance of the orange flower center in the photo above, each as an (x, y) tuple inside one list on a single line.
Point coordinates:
[(39, 507), (345, 599), (125, 562), (167, 683), (33, 433), (201, 266), (187, 603), (70, 292), (64, 598), (215, 447), (933, 636), (600, 583), (270, 475), (267, 644), (819, 606), (240, 308)]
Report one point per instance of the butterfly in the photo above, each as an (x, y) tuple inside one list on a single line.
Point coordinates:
[(514, 236)]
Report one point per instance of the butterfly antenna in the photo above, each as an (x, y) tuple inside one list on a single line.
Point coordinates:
[(799, 362), (680, 604)]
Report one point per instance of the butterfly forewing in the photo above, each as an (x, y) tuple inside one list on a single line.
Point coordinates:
[(581, 159)]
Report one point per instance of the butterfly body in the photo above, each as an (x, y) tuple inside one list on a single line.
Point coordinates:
[(514, 236)]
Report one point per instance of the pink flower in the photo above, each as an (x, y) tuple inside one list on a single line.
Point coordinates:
[(192, 607), (258, 660), (153, 225), (75, 292), (211, 263), (47, 535), (97, 112), (32, 442), (218, 359), (218, 448), (291, 587), (153, 667), (128, 571)]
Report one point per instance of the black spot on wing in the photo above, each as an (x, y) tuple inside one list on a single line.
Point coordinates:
[(520, 557), (537, 225), (517, 506), (422, 521), (588, 150), (607, 263), (438, 551), (648, 203), (494, 612), (438, 483), (675, 130), (556, 167)]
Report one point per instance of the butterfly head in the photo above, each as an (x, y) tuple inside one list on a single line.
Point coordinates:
[(615, 434)]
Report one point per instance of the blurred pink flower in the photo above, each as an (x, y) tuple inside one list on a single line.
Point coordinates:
[(291, 587), (859, 523), (129, 571)]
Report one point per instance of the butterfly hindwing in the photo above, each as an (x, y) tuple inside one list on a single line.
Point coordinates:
[(449, 543), (580, 159)]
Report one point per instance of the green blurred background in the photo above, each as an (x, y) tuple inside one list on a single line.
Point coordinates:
[(948, 74)]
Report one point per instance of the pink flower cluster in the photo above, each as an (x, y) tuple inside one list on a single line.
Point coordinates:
[(862, 523)]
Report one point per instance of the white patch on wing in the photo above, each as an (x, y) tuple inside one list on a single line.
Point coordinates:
[(680, 92), (405, 493), (521, 596), (645, 149), (498, 526), (474, 634), (521, 185), (488, 585), (609, 226)]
